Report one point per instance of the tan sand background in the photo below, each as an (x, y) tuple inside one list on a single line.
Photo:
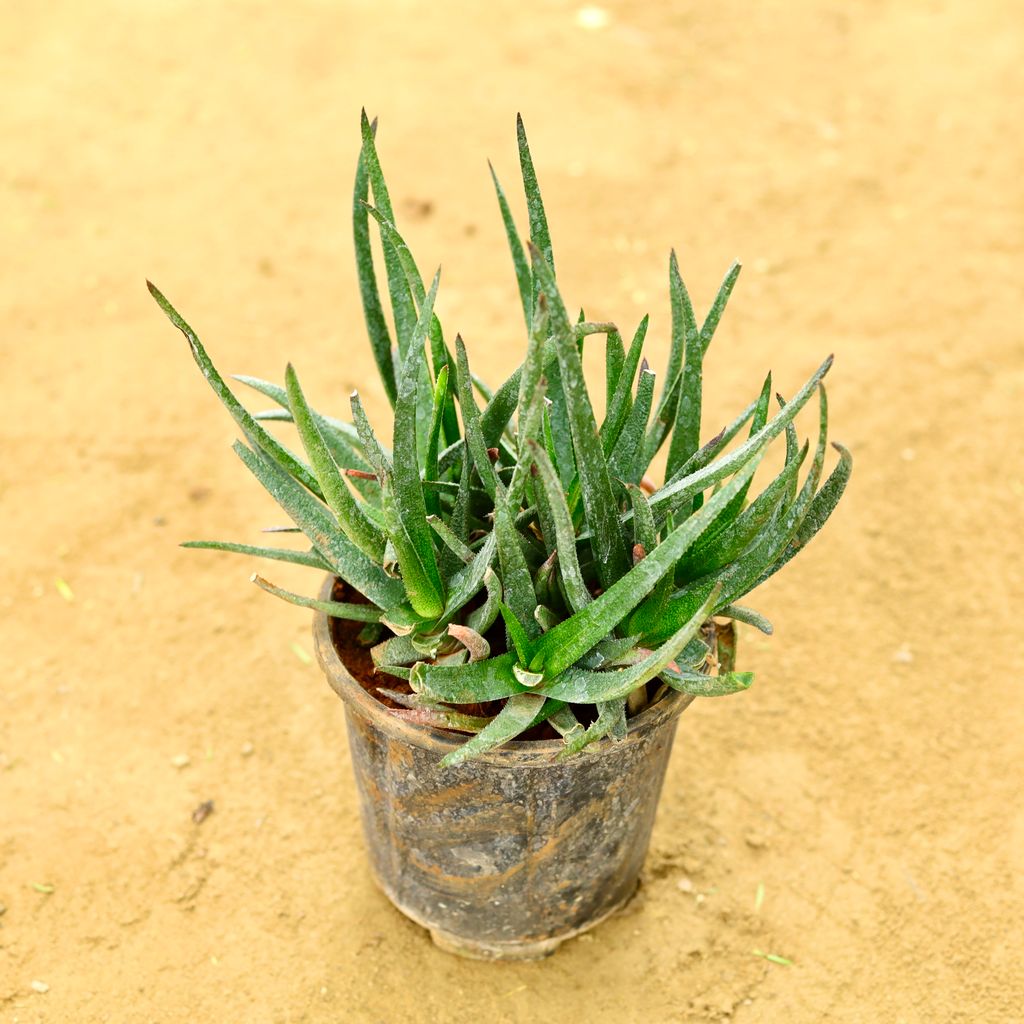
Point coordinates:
[(864, 160)]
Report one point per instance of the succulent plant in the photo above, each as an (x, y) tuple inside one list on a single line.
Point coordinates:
[(510, 557)]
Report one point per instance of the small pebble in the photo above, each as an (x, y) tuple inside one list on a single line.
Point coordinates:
[(903, 655), (41, 987), (684, 885), (202, 812), (181, 760), (755, 840), (247, 750)]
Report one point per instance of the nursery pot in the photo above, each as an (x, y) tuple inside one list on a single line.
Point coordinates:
[(506, 856)]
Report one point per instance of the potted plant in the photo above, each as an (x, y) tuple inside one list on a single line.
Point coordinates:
[(513, 613)]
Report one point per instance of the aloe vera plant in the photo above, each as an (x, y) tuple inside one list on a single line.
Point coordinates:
[(512, 554)]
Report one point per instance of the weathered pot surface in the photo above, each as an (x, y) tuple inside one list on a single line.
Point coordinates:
[(508, 855)]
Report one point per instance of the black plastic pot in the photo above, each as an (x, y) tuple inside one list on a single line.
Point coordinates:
[(507, 856)]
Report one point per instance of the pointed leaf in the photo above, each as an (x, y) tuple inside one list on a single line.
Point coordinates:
[(515, 717), (686, 433), (595, 483), (620, 403), (308, 558), (682, 491), (475, 683), (627, 461), (255, 433), (408, 487), (610, 717), (335, 609), (747, 615), (710, 324), (350, 514), (344, 558), (373, 310), (565, 536), (402, 307), (570, 640), (581, 686), (519, 260), (539, 233)]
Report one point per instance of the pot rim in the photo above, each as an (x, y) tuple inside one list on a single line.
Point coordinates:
[(514, 754)]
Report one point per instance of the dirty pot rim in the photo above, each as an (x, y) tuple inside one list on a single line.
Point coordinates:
[(515, 754)]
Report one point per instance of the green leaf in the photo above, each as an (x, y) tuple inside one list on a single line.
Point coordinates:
[(402, 307), (350, 514), (451, 539), (377, 456), (664, 419), (458, 520), (747, 615), (667, 406), (595, 483), (742, 575), (699, 685), (644, 531), (519, 260), (620, 403), (564, 722), (516, 579), (515, 717), (256, 434), (466, 583), (532, 372), (565, 536), (517, 633), (344, 558), (614, 358), (627, 460), (408, 487), (440, 356), (760, 418), (540, 236), (373, 310), (499, 410), (342, 438), (311, 559), (430, 470), (710, 324), (481, 619), (477, 682), (471, 421), (335, 609), (611, 716), (423, 590), (645, 534), (682, 491), (561, 646), (395, 651), (686, 434), (728, 541), (582, 686), (821, 508)]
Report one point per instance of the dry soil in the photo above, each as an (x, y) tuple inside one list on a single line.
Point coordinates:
[(857, 813)]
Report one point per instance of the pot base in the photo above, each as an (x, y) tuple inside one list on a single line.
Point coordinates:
[(475, 949)]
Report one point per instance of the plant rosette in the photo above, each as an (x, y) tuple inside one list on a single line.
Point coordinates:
[(513, 613)]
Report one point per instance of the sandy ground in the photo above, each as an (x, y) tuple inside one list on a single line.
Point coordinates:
[(864, 162)]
